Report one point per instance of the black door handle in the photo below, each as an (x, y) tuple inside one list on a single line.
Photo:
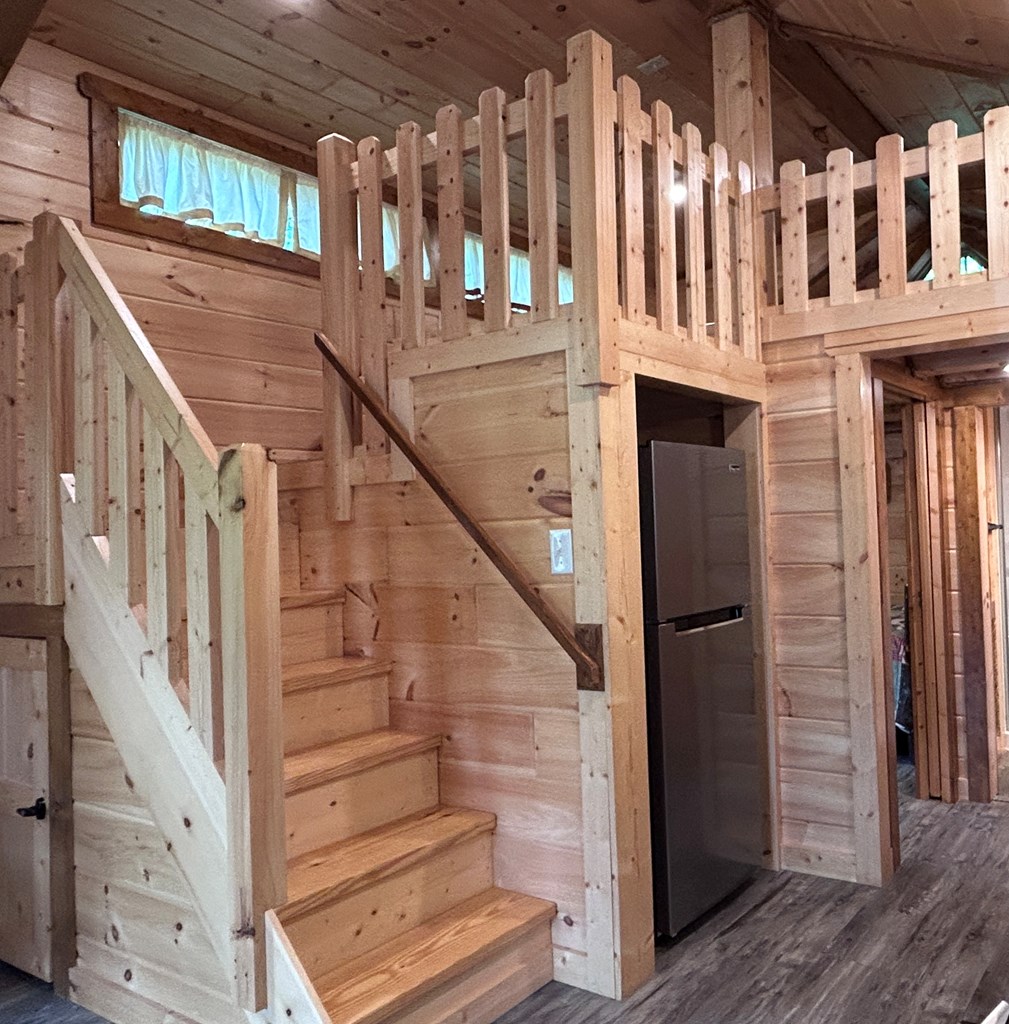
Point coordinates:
[(36, 810)]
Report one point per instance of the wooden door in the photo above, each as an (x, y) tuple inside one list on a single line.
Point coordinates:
[(25, 913)]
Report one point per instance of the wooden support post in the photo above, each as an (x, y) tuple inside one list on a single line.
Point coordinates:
[(45, 448), (591, 119), (975, 601), (253, 717), (339, 279), (742, 91), (874, 857), (541, 159)]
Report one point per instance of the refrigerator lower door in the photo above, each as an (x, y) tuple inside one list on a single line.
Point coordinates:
[(707, 801)]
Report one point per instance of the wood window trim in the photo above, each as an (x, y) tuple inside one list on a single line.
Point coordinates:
[(105, 98)]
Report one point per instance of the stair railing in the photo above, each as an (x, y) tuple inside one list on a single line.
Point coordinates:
[(583, 644), (170, 553)]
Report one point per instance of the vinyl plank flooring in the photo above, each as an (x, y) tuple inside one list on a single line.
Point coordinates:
[(26, 1000), (932, 947)]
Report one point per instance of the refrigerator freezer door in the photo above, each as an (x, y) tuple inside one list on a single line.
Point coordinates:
[(707, 800), (695, 528)]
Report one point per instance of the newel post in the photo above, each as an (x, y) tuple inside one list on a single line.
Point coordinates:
[(339, 275), (253, 736), (47, 434), (595, 341)]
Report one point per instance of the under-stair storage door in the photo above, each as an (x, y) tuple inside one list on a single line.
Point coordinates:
[(24, 824)]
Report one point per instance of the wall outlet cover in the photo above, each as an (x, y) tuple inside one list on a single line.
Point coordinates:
[(561, 556)]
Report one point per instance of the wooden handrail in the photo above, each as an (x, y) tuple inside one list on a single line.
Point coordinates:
[(575, 643)]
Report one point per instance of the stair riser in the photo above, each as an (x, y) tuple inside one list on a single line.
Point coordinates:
[(349, 806), (311, 633), (363, 920), (491, 988), (326, 714)]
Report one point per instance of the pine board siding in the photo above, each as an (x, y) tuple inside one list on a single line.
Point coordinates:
[(237, 337), (807, 606), (471, 661)]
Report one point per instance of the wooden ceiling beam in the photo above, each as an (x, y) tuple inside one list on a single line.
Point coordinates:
[(889, 50), (17, 19)]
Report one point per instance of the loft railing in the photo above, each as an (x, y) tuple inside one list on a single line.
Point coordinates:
[(15, 512), (173, 550), (863, 208), (660, 233)]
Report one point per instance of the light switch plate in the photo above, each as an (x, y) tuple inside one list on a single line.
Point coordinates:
[(561, 557)]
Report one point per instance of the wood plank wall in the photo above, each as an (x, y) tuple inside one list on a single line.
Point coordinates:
[(143, 954), (237, 337), (472, 663), (807, 603), (897, 519)]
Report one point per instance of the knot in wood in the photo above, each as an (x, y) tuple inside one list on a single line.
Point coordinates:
[(238, 504)]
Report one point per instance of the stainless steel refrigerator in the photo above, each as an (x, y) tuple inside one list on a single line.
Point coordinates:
[(704, 743)]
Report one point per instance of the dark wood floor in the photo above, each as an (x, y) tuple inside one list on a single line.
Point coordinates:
[(24, 1000), (930, 948), (793, 949)]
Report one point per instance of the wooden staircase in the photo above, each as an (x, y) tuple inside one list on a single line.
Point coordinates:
[(392, 908)]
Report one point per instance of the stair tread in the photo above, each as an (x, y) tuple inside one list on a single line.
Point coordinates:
[(308, 768), (311, 598), (373, 987), (344, 867), (331, 671)]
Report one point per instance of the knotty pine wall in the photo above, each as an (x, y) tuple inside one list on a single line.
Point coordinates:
[(806, 583), (237, 337), (471, 662), (896, 515)]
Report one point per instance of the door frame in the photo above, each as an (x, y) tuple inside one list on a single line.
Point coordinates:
[(38, 622)]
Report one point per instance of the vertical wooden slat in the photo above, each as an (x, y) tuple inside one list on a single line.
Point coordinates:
[(944, 195), (915, 519), (411, 234), (372, 321), (175, 569), (975, 626), (929, 501), (888, 703), (632, 214), (201, 697), (156, 541), (85, 413), (794, 238), (137, 558), (746, 278), (541, 176), (118, 475), (996, 172), (891, 216), (451, 225), (339, 280), (697, 304), (494, 214), (591, 117), (9, 404), (663, 152), (44, 454), (253, 716), (721, 232), (841, 227)]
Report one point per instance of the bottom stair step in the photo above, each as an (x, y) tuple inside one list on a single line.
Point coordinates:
[(392, 978)]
